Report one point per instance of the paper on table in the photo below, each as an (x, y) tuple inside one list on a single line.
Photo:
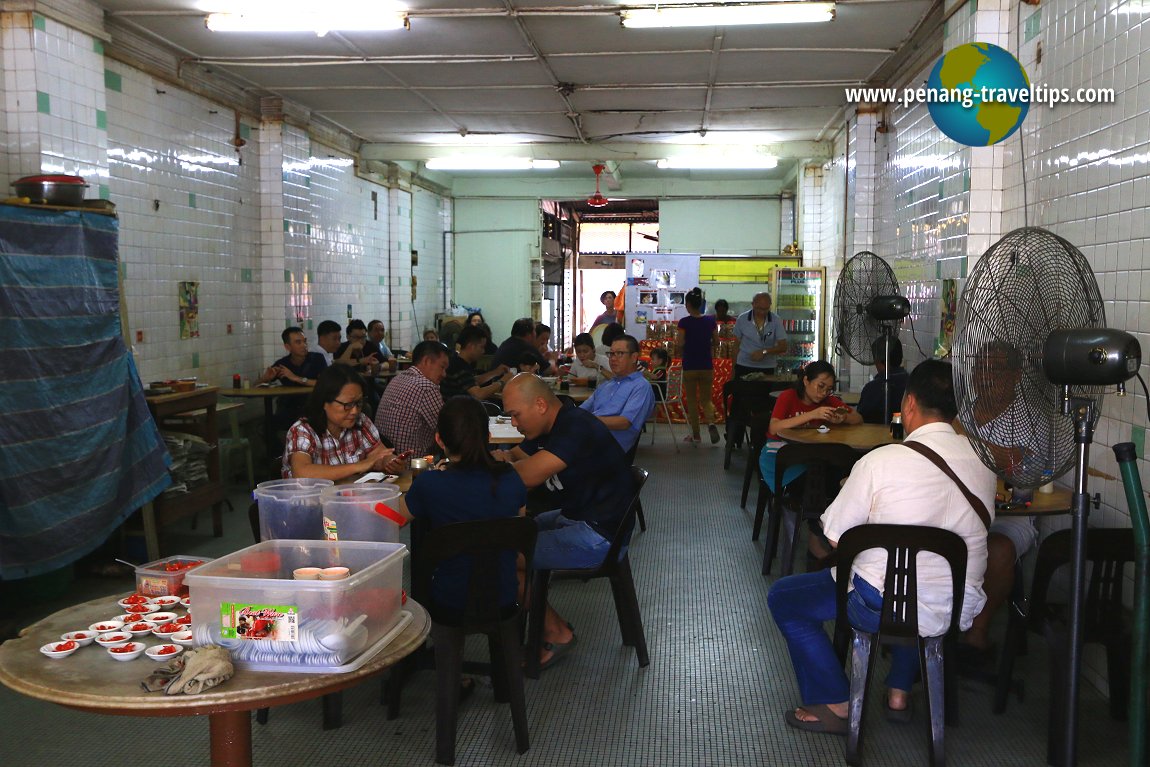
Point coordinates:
[(377, 476)]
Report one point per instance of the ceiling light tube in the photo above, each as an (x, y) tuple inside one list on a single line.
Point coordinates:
[(795, 12), (490, 163), (319, 23), (703, 162)]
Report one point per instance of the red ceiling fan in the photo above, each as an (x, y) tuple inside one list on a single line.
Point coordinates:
[(597, 200)]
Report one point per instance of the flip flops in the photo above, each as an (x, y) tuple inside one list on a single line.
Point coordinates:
[(558, 651), (899, 715), (828, 722)]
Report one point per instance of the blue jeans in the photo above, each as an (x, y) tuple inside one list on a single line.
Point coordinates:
[(767, 460), (800, 604), (566, 544)]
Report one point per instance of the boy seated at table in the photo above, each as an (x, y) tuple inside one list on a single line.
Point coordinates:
[(587, 364)]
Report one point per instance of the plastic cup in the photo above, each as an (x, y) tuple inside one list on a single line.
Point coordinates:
[(334, 573), (349, 512), (291, 508)]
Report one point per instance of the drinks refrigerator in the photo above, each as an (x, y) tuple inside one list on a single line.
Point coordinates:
[(799, 299)]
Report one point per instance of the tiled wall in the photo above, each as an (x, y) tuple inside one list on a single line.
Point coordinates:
[(280, 230)]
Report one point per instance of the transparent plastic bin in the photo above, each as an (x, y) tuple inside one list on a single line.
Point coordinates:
[(349, 512), (282, 618), (290, 508), (155, 579)]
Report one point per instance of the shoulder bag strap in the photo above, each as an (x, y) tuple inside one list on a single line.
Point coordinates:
[(974, 501)]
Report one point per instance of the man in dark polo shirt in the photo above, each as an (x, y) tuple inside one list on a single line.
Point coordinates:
[(462, 378), (572, 454), (299, 368)]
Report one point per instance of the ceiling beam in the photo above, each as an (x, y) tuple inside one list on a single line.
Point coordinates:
[(578, 152)]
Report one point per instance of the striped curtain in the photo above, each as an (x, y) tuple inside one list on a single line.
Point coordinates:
[(79, 451)]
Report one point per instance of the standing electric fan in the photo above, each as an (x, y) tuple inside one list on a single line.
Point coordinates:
[(1030, 349), (867, 306)]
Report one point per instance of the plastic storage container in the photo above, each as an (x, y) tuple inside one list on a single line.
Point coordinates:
[(349, 513), (165, 577), (249, 603), (290, 508)]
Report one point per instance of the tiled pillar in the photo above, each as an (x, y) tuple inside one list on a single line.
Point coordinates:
[(403, 332), (991, 24), (54, 100), (271, 314), (810, 211), (865, 177)]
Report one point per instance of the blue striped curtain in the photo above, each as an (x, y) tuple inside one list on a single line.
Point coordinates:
[(79, 451)]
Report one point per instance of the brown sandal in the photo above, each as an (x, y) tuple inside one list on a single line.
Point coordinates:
[(828, 721)]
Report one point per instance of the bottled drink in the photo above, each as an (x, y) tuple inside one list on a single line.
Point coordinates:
[(237, 381), (896, 426)]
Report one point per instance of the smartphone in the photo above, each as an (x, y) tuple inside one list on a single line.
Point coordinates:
[(405, 455), (842, 410)]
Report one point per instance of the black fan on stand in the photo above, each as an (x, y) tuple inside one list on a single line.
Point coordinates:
[(868, 306), (1031, 348)]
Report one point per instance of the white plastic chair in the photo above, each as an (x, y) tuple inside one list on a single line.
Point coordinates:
[(669, 391)]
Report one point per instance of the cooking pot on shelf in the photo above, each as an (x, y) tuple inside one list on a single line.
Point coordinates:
[(52, 189)]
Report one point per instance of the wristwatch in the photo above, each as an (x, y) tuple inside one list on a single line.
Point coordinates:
[(303, 381)]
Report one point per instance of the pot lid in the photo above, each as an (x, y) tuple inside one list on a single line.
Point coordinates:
[(50, 179)]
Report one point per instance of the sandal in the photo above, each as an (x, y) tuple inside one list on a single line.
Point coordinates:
[(558, 652), (828, 722), (900, 715)]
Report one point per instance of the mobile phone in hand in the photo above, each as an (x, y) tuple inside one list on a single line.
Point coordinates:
[(842, 410)]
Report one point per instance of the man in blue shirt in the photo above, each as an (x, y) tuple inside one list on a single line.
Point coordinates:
[(625, 402), (760, 336), (299, 368)]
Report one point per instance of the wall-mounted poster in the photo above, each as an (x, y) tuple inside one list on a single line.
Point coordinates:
[(656, 286), (676, 298), (648, 297), (663, 279), (189, 310), (949, 312), (641, 316)]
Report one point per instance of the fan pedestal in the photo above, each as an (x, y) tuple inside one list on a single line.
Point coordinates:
[(1063, 751)]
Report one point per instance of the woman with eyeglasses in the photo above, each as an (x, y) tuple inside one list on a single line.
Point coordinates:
[(334, 439)]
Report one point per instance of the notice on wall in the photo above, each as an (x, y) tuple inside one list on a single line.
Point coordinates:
[(949, 312), (189, 310)]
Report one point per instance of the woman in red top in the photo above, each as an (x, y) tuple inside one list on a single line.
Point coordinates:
[(810, 404)]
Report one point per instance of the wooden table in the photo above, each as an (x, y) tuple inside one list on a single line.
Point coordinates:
[(502, 432), (1042, 504), (578, 393), (163, 406), (89, 680), (267, 394), (862, 436)]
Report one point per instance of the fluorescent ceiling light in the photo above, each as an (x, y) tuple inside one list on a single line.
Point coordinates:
[(319, 22), (720, 162), (796, 12), (490, 163)]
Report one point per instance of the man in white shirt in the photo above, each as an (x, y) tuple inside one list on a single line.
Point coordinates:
[(890, 485)]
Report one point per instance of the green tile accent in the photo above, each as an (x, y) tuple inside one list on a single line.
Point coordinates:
[(191, 199), (1033, 25), (941, 190), (310, 276), (966, 180), (123, 270), (349, 227), (245, 275), (113, 81), (43, 103), (287, 275), (287, 225), (98, 47), (945, 28), (39, 22), (1138, 437), (307, 181), (308, 229), (105, 192), (973, 6), (401, 247), (101, 119), (245, 131), (382, 280), (195, 359), (309, 324)]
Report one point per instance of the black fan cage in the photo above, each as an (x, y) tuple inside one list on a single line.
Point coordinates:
[(864, 276), (1026, 285)]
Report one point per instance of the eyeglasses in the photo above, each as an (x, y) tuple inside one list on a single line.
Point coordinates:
[(619, 354), (349, 406)]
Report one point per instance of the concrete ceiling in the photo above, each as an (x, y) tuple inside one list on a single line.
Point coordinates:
[(553, 79)]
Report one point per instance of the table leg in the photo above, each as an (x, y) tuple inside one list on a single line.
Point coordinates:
[(269, 429), (151, 534), (231, 738)]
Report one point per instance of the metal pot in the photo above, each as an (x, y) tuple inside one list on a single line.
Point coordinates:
[(52, 190)]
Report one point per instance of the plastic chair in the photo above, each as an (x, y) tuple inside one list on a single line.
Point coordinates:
[(487, 542), (642, 520), (898, 622), (616, 566), (756, 440), (742, 401), (664, 398), (1108, 550), (492, 408), (819, 486)]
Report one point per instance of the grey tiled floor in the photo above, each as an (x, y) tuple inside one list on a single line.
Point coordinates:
[(714, 693)]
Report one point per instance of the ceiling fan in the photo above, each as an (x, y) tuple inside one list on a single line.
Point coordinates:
[(597, 200)]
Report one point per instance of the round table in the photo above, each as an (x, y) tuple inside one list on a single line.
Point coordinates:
[(89, 680), (1042, 504), (861, 436)]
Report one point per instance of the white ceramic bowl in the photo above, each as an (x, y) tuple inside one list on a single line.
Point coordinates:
[(82, 638), (129, 651), (134, 599), (155, 652), (51, 651), (166, 634), (139, 628), (114, 639), (186, 602), (103, 627), (184, 620), (183, 638), (160, 617), (166, 603), (141, 609)]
